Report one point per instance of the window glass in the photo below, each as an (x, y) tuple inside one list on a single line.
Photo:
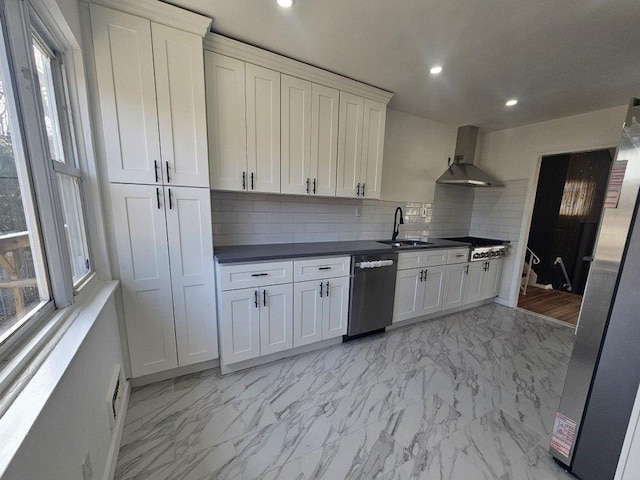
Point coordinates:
[(74, 225), (19, 292), (49, 103)]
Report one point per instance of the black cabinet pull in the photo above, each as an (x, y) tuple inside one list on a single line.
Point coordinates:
[(255, 293), (314, 185), (259, 274), (363, 189), (324, 268), (158, 197), (244, 180), (168, 179), (466, 269), (307, 185), (320, 289), (264, 298), (358, 191), (155, 169), (170, 202), (421, 273), (425, 274), (327, 291), (252, 187)]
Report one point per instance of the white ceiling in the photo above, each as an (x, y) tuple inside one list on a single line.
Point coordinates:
[(557, 57)]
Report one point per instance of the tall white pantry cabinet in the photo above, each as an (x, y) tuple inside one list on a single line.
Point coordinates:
[(150, 82)]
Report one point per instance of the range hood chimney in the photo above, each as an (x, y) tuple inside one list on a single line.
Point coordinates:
[(462, 171)]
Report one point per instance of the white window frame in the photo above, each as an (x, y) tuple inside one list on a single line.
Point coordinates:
[(19, 22)]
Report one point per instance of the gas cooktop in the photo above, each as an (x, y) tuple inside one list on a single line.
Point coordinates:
[(484, 248)]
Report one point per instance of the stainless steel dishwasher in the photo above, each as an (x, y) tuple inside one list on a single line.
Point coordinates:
[(373, 284)]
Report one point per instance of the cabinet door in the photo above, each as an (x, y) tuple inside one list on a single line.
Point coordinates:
[(296, 122), (179, 72), (239, 325), (324, 138), (127, 92), (433, 284), (276, 318), (454, 286), (349, 145), (335, 310), (307, 313), (143, 259), (473, 282), (372, 148), (226, 120), (409, 295), (263, 129), (490, 282), (190, 245)]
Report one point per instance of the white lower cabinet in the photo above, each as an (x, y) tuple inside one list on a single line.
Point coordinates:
[(164, 244), (419, 291), (266, 319), (454, 286), (473, 282), (321, 310), (491, 278), (276, 318)]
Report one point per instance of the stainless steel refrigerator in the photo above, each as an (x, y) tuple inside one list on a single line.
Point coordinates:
[(604, 370)]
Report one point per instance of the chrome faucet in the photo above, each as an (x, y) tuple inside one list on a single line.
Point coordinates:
[(396, 225)]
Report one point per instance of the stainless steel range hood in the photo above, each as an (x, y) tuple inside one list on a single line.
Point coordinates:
[(462, 171)]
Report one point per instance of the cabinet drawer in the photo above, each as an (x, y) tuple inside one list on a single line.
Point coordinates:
[(233, 277), (320, 268), (458, 255), (422, 258)]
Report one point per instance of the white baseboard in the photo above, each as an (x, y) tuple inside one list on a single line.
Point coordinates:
[(503, 302), (174, 372), (116, 438)]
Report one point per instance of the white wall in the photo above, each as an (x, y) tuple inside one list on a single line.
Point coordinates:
[(415, 155), (515, 154), (74, 419)]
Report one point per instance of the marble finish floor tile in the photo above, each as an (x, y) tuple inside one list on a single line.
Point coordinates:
[(466, 396), (496, 440)]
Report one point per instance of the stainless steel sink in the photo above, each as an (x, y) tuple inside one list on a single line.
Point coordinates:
[(405, 243)]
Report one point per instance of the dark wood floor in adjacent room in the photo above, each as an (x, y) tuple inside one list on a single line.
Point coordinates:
[(562, 306)]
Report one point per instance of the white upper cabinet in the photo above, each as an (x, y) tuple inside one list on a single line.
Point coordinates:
[(188, 213), (296, 135), (227, 122), (325, 104), (126, 84), (179, 72), (350, 145), (263, 129), (375, 114), (151, 87)]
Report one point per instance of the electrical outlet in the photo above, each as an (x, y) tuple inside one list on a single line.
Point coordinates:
[(359, 211), (87, 468), (423, 212)]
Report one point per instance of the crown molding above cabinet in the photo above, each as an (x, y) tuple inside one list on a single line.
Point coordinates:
[(229, 47), (162, 13)]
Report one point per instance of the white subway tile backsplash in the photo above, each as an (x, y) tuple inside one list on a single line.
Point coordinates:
[(249, 218)]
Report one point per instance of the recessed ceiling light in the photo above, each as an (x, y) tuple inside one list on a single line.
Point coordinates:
[(285, 3), (435, 70), (511, 103)]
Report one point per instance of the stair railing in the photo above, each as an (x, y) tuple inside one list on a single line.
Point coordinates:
[(567, 282), (533, 259)]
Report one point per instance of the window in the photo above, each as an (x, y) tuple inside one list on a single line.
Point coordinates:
[(21, 291), (57, 122), (44, 253)]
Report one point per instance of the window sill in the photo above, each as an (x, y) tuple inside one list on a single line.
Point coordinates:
[(28, 379)]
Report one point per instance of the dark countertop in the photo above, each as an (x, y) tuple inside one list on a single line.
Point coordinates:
[(276, 251)]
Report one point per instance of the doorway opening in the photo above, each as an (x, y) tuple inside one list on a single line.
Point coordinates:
[(567, 211)]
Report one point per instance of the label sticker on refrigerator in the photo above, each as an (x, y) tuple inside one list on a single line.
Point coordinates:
[(564, 431), (615, 184)]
